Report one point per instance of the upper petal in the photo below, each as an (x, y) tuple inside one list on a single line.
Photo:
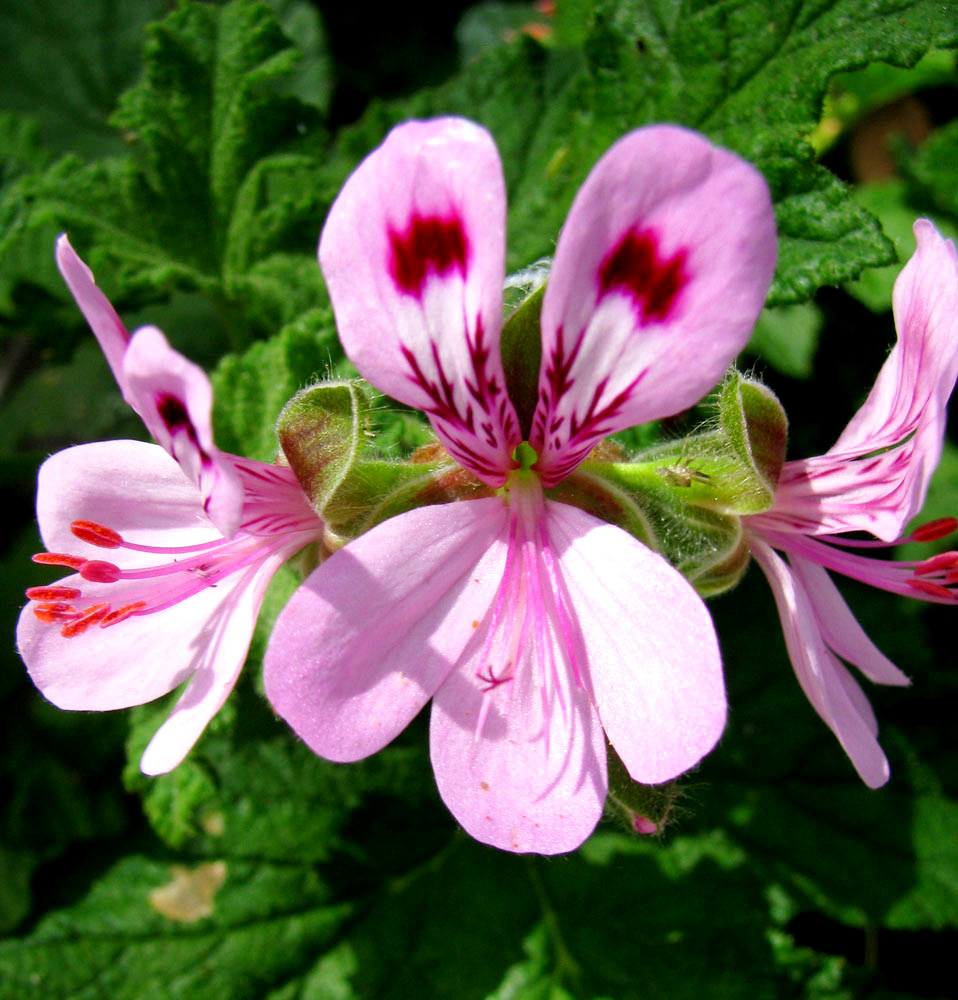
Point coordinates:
[(133, 487), (413, 252), (175, 399), (534, 778), (96, 308), (908, 404), (373, 632), (651, 651), (660, 272)]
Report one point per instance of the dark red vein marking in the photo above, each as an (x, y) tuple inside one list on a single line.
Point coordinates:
[(636, 267), (429, 246)]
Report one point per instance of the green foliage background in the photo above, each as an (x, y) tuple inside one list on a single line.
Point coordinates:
[(192, 151)]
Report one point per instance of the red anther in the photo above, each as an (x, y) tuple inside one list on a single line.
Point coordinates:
[(96, 534), (52, 593), (58, 559), (97, 571), (56, 614), (939, 528), (933, 589), (91, 616), (121, 614), (946, 560)]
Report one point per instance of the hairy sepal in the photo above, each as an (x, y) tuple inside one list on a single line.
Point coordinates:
[(706, 545), (322, 431), (756, 429)]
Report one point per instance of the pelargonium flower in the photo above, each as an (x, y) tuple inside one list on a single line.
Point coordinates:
[(532, 625), (194, 537), (873, 480)]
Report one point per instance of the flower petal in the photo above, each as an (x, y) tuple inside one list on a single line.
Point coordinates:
[(533, 779), (652, 654), (140, 492), (223, 648), (876, 476), (660, 272), (175, 399), (840, 628), (373, 632), (413, 253), (95, 306), (830, 688), (132, 487)]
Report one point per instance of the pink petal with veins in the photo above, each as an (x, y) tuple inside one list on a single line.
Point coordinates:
[(175, 400), (374, 631), (651, 652), (95, 306), (661, 270), (138, 489), (224, 643), (827, 684), (876, 476), (413, 252), (534, 778)]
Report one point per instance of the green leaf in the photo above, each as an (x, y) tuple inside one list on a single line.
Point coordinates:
[(750, 75), (251, 389), (893, 203), (65, 63), (786, 337), (933, 169), (219, 195)]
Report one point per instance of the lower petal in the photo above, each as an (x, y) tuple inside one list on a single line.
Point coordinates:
[(652, 654), (226, 644), (531, 779), (373, 632), (828, 685)]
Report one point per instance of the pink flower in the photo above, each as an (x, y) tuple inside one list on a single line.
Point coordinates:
[(874, 479), (530, 624), (194, 539)]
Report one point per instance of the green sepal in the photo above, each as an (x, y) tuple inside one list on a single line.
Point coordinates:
[(521, 349), (322, 431), (374, 491), (643, 808), (706, 545), (756, 427)]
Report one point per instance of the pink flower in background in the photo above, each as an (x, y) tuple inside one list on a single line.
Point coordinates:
[(530, 624), (874, 479), (193, 535)]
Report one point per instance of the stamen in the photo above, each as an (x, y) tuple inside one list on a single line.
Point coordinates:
[(121, 614), (946, 560), (58, 559), (56, 613), (939, 528), (96, 534), (90, 616), (933, 589), (53, 593), (97, 571)]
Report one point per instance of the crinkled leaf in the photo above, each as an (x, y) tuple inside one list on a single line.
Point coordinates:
[(219, 194), (251, 389), (752, 76)]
